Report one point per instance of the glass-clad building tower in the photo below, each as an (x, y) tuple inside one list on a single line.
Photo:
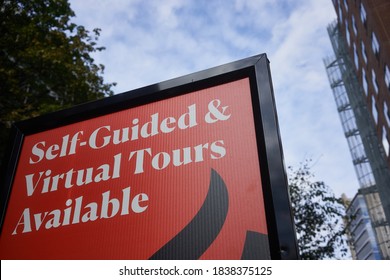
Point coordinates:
[(359, 75)]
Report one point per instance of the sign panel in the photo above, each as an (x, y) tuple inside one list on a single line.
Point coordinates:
[(173, 174)]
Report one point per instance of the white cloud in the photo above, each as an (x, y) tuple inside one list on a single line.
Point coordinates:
[(152, 41), (309, 121)]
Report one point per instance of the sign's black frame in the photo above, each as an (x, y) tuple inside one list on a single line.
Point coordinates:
[(281, 232)]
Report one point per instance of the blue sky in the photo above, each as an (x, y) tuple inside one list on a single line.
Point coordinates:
[(152, 41)]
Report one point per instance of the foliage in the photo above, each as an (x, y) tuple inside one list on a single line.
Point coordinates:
[(318, 216), (45, 61)]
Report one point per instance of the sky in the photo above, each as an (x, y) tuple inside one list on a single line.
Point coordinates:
[(152, 41)]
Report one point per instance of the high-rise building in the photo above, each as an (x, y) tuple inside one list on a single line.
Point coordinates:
[(364, 245), (359, 75)]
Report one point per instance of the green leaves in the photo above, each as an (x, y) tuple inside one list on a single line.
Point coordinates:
[(318, 216), (45, 61)]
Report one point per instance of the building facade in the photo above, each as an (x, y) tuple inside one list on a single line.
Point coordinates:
[(362, 235), (359, 75)]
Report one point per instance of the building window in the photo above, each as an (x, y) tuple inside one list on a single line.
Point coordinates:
[(374, 81), (387, 76), (346, 5), (354, 25), (385, 142), (363, 14), (348, 36), (387, 113), (364, 80), (374, 110), (364, 54), (355, 56), (375, 44)]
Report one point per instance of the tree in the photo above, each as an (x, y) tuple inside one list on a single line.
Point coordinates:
[(318, 216), (45, 61)]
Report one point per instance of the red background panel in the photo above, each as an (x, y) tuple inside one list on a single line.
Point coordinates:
[(175, 193)]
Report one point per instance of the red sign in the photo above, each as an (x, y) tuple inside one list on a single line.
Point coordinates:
[(176, 178)]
